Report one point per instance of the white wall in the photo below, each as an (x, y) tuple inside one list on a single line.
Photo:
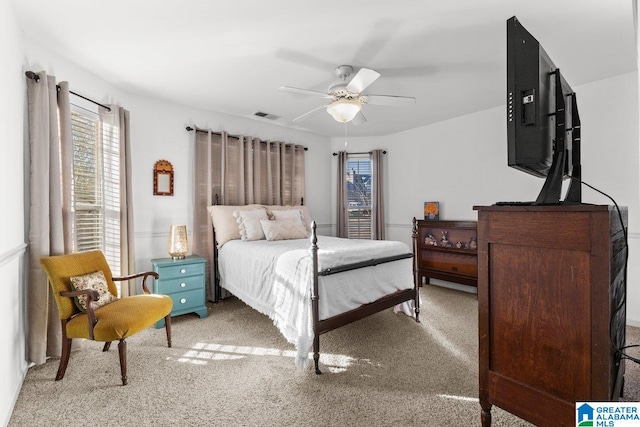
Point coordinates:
[(13, 366), (462, 162)]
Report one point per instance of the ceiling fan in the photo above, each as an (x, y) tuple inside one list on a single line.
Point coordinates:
[(347, 99)]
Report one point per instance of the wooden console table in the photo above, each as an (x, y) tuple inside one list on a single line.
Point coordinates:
[(551, 293)]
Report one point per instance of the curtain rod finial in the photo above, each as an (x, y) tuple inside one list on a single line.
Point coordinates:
[(189, 128), (32, 75)]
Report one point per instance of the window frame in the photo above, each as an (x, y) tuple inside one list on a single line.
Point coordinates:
[(359, 215)]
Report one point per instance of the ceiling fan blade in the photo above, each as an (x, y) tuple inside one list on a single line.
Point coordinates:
[(362, 79), (359, 119), (308, 113), (390, 100), (303, 91)]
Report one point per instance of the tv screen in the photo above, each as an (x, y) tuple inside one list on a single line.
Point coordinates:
[(542, 116)]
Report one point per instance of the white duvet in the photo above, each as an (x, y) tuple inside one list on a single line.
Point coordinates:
[(275, 278)]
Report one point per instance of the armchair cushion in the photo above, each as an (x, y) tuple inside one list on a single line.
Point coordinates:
[(122, 318), (97, 282)]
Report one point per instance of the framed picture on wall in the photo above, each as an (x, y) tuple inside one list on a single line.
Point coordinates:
[(431, 210)]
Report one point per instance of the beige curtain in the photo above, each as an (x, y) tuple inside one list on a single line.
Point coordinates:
[(118, 118), (50, 151), (241, 170), (342, 217), (377, 196)]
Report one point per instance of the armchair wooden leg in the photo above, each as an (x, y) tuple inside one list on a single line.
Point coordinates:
[(167, 326), (122, 351), (64, 357), (107, 345)]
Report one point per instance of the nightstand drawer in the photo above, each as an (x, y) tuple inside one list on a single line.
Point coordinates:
[(180, 284), (180, 270), (187, 300)]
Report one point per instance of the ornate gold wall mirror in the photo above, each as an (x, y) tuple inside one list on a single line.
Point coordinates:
[(162, 178)]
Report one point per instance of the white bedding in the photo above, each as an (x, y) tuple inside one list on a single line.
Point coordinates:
[(275, 278)]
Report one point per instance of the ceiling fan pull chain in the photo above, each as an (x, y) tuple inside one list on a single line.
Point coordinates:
[(345, 136)]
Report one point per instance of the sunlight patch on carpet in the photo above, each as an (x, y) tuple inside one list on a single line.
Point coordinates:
[(462, 398), (448, 345), (202, 353)]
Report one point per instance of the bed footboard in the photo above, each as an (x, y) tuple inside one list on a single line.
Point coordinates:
[(314, 297), (326, 325)]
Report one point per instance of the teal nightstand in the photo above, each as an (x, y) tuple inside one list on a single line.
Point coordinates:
[(183, 281)]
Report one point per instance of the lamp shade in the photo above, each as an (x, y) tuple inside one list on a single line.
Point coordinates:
[(178, 245), (344, 110)]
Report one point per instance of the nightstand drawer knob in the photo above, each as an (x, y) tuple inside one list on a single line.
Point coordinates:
[(183, 300), (184, 270), (182, 285)]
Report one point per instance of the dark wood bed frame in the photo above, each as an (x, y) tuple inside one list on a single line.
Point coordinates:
[(331, 323)]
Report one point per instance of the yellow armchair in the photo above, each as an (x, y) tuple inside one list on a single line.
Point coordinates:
[(117, 320)]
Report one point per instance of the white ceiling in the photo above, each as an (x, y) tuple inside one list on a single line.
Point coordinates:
[(232, 56)]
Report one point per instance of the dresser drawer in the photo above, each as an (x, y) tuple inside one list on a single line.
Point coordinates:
[(455, 263), (180, 284), (180, 270), (184, 301)]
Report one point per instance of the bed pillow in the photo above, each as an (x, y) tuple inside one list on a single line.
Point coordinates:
[(95, 281), (305, 215), (287, 214), (284, 230), (224, 222), (249, 223)]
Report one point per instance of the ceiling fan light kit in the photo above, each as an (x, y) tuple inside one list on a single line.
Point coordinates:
[(344, 110), (347, 98)]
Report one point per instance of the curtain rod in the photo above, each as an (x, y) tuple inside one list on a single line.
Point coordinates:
[(363, 152), (189, 128), (34, 76)]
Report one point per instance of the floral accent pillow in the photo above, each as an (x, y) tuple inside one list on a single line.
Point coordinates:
[(95, 281), (284, 230)]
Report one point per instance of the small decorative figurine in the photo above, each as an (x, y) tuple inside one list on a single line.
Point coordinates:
[(444, 241), (473, 243), (430, 240), (459, 245)]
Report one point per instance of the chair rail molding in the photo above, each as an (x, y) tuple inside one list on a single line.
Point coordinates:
[(12, 254)]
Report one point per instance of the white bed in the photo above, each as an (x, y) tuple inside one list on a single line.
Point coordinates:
[(311, 285), (276, 278)]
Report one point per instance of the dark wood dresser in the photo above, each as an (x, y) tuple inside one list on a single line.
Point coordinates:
[(446, 250), (551, 309)]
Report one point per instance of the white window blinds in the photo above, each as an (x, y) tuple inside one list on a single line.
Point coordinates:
[(359, 197), (96, 186)]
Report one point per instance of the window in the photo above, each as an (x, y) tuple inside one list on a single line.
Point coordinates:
[(95, 186), (359, 197)]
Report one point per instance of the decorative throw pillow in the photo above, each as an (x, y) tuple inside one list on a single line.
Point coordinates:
[(95, 281), (284, 230), (305, 215), (249, 223)]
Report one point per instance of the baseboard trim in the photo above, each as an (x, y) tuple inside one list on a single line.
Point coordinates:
[(631, 322)]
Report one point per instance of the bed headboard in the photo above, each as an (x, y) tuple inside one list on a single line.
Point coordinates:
[(225, 227)]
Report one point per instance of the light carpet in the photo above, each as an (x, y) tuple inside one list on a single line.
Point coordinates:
[(234, 368)]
